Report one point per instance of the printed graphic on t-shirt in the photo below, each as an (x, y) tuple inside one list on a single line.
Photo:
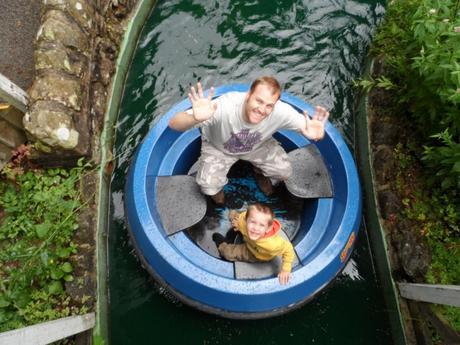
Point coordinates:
[(244, 141)]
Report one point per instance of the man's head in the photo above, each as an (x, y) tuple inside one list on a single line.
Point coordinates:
[(261, 99), (259, 220)]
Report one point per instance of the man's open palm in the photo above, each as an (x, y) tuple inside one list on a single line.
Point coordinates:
[(314, 129), (203, 107)]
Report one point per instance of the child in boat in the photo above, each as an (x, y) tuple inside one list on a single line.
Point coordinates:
[(262, 241)]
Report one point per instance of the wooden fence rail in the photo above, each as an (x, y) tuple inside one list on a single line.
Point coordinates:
[(438, 294), (13, 104), (48, 332), (13, 94)]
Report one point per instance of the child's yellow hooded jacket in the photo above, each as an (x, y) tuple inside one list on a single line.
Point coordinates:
[(270, 245)]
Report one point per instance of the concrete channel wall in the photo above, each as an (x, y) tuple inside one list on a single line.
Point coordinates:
[(126, 51)]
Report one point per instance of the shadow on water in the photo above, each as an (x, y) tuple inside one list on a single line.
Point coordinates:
[(315, 48)]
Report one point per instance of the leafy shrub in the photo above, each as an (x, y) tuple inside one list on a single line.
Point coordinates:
[(436, 215), (445, 160), (39, 217), (420, 42), (436, 101)]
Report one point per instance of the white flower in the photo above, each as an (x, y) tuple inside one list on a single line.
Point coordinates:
[(432, 11), (445, 20), (457, 29)]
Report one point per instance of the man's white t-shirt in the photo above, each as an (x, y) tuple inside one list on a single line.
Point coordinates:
[(228, 132)]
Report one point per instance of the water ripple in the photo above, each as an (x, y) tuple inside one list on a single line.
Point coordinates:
[(315, 48)]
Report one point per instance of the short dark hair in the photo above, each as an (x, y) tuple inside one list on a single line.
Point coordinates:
[(263, 209), (267, 80)]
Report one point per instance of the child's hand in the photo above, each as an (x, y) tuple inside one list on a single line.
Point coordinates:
[(233, 217), (284, 277)]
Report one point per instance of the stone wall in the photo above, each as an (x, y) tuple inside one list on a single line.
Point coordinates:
[(75, 52)]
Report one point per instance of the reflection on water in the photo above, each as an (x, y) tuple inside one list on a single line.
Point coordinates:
[(315, 48)]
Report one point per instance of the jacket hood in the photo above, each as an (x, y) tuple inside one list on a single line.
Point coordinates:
[(276, 226)]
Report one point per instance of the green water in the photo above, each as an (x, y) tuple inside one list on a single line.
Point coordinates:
[(315, 48)]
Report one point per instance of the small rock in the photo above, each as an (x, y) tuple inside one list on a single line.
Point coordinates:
[(384, 165), (383, 131), (389, 204), (413, 252)]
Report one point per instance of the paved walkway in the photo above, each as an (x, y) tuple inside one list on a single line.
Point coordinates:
[(19, 21)]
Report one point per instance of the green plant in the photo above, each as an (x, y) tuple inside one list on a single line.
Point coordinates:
[(453, 315), (445, 159), (418, 47), (437, 65), (419, 42), (40, 209), (436, 215), (394, 40), (368, 84)]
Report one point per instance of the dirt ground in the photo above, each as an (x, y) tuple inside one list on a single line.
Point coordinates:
[(20, 20)]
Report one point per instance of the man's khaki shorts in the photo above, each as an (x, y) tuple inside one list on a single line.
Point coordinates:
[(214, 165)]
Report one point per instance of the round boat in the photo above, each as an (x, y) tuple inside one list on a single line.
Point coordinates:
[(323, 240)]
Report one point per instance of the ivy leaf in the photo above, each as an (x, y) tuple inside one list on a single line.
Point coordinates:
[(67, 267), (55, 287), (44, 258), (21, 298), (41, 230), (63, 252), (56, 273), (68, 278)]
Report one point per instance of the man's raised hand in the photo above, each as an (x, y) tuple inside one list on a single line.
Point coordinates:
[(202, 106), (314, 129)]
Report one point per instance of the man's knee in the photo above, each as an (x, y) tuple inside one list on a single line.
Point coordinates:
[(285, 172), (282, 171), (210, 184), (209, 189), (211, 178)]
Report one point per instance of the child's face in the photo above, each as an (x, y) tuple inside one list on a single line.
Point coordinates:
[(258, 224)]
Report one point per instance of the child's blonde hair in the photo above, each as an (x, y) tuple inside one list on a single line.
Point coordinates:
[(263, 209)]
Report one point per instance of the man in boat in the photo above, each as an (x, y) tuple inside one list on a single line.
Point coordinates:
[(239, 125)]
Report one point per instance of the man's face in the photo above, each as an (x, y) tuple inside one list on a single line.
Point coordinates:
[(258, 224), (259, 104)]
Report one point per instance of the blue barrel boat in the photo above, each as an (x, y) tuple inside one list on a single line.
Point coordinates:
[(323, 239)]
